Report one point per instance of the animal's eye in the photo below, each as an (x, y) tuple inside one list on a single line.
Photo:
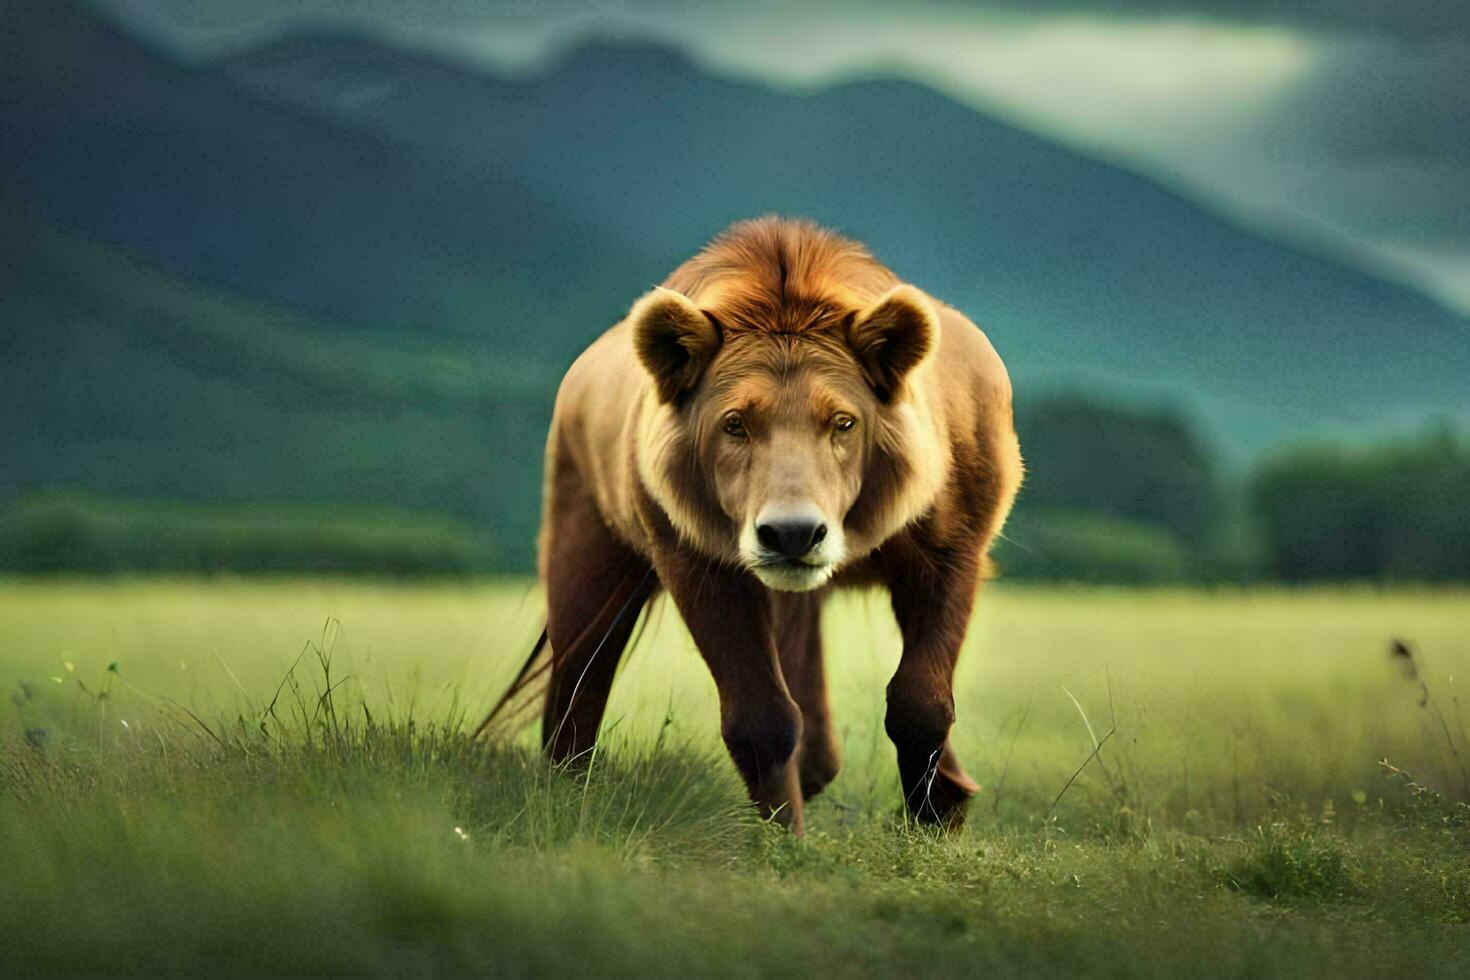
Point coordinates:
[(844, 423), (734, 426)]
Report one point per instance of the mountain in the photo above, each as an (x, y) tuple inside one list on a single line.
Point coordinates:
[(119, 377), (350, 179), (1075, 267), (328, 267), (181, 165)]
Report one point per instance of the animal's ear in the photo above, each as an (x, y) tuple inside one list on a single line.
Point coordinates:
[(674, 339), (894, 336)]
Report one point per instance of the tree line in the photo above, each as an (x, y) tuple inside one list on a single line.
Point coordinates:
[(1112, 494), (1123, 494)]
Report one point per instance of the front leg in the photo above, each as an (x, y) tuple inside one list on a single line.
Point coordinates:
[(798, 620), (933, 594), (729, 615)]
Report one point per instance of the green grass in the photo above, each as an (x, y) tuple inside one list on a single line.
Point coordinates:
[(155, 817)]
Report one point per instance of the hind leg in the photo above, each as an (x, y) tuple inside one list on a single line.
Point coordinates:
[(798, 629), (596, 586)]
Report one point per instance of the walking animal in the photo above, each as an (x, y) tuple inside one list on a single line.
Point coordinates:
[(780, 418)]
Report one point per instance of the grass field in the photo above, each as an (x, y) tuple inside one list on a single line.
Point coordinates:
[(156, 817)]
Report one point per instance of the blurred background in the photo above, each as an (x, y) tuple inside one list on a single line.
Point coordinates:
[(289, 286)]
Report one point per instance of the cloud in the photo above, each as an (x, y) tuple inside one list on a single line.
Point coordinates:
[(1410, 19), (1406, 19), (1104, 81)]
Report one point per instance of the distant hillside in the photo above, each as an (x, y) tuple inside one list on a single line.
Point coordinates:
[(346, 178), (182, 165), (118, 377), (1074, 266), (339, 271)]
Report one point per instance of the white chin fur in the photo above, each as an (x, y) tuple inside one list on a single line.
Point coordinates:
[(793, 577), (813, 572)]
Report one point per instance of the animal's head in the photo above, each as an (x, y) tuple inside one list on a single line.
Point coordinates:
[(780, 436)]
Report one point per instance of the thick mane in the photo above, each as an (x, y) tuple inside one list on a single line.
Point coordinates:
[(781, 275)]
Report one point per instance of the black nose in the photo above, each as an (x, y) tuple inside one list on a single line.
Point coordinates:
[(791, 539)]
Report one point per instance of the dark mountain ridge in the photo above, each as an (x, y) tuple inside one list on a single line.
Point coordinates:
[(1075, 267), (363, 183), (363, 268)]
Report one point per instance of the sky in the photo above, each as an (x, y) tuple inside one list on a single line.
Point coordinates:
[(1341, 126)]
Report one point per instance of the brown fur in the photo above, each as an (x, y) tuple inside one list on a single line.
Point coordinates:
[(723, 398)]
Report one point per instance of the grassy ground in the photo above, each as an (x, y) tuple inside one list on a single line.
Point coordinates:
[(154, 816)]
